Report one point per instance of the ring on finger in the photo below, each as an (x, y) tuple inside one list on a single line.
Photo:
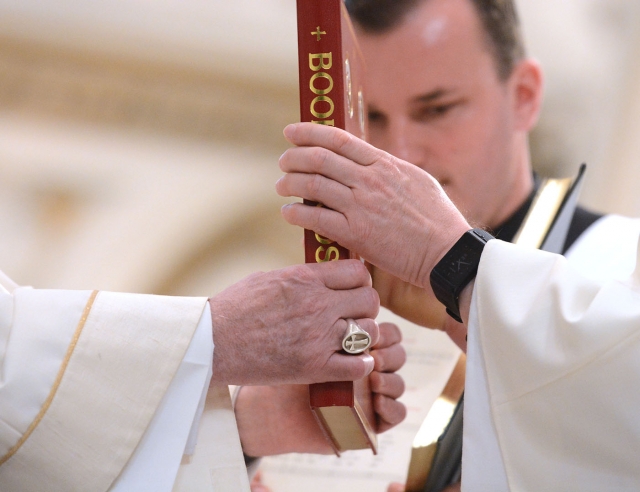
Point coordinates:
[(355, 340)]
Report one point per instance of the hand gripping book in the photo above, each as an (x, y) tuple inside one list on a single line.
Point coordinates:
[(330, 68), (437, 448)]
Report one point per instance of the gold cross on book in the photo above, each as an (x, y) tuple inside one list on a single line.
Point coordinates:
[(318, 33)]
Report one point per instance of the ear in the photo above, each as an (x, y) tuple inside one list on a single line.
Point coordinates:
[(526, 83)]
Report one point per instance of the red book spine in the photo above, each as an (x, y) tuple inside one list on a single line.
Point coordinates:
[(321, 75), (330, 65)]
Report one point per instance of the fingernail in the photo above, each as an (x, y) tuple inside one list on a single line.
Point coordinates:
[(378, 332), (288, 131), (369, 364)]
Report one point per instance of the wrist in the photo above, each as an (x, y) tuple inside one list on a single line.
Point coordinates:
[(222, 371), (437, 247)]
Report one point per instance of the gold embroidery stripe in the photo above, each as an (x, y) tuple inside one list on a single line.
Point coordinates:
[(58, 380)]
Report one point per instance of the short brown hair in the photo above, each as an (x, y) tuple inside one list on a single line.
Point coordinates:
[(499, 19)]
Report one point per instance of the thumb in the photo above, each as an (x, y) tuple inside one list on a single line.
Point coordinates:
[(343, 367)]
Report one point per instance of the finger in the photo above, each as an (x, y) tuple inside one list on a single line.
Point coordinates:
[(321, 161), (390, 335), (324, 221), (344, 367), (316, 188), (362, 302), (341, 275), (370, 326), (390, 412), (389, 359), (334, 139), (391, 385)]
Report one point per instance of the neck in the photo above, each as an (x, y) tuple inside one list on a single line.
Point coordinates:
[(520, 187)]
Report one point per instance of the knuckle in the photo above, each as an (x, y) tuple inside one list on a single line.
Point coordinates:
[(316, 219), (314, 185), (319, 158), (356, 270), (362, 273), (341, 140), (306, 273), (358, 369), (371, 300)]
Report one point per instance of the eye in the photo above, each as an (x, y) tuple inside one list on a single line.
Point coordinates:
[(433, 111), (376, 117)]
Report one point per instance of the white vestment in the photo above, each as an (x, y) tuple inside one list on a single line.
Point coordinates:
[(102, 391), (552, 398)]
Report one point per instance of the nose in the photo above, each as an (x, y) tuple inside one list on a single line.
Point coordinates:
[(404, 143)]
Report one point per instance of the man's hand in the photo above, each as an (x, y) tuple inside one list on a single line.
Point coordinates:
[(287, 326), (391, 212), (278, 419)]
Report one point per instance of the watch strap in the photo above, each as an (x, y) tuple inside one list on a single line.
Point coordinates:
[(457, 268)]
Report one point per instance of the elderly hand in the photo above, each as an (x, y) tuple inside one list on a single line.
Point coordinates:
[(287, 326), (391, 212), (278, 419)]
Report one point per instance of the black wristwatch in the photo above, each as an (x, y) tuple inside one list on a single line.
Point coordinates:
[(457, 268)]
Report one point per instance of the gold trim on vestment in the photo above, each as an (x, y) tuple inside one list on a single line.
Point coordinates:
[(56, 384)]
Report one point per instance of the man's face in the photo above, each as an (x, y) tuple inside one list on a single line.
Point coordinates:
[(435, 100)]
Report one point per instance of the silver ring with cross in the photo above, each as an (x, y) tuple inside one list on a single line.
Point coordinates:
[(355, 340)]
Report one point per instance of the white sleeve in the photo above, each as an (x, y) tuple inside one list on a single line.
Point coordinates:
[(552, 362), (155, 463), (92, 381)]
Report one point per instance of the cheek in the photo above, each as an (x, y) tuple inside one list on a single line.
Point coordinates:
[(377, 137), (477, 163)]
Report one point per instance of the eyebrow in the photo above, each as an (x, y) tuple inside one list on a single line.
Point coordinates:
[(425, 98), (430, 96)]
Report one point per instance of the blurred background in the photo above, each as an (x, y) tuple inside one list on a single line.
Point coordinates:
[(139, 139), (139, 142)]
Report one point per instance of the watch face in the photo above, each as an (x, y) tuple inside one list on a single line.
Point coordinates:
[(462, 260)]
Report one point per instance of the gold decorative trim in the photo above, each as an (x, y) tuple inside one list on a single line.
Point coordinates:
[(56, 384)]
